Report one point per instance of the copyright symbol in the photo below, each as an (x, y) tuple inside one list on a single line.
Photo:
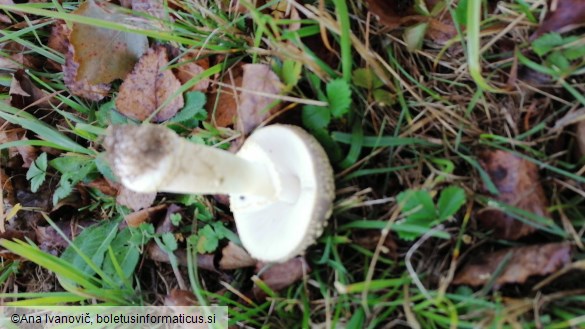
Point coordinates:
[(15, 318)]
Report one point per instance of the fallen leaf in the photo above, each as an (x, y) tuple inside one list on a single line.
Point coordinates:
[(154, 8), (155, 253), (401, 13), (567, 15), (523, 262), (17, 235), (104, 55), (148, 86), (27, 152), (258, 81), (14, 56), (518, 183), (83, 88), (25, 93), (4, 18), (234, 256), (104, 186), (189, 68), (223, 104), (49, 240), (143, 216), (16, 88), (179, 297), (134, 200), (369, 239), (391, 13), (280, 276), (59, 37)]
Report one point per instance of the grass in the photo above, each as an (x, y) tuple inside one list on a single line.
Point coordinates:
[(447, 102)]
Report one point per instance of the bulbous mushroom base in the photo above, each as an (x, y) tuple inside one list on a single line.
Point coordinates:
[(277, 229)]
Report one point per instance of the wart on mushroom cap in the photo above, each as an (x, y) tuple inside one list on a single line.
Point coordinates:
[(280, 183)]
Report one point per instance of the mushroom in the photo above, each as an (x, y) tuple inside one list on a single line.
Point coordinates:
[(280, 183)]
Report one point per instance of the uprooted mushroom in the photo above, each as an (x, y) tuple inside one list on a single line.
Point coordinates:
[(280, 183)]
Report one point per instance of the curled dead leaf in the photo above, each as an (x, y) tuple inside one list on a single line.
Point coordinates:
[(522, 263), (59, 37), (179, 297), (25, 93), (255, 106), (234, 256), (223, 104), (401, 13), (81, 88), (280, 276), (104, 55), (141, 216), (104, 186), (518, 184), (189, 68), (148, 87), (566, 15)]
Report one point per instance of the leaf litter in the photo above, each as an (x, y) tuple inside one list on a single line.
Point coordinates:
[(518, 183), (151, 89), (516, 264), (98, 56)]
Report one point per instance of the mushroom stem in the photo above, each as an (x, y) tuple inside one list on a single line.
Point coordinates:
[(203, 169), (152, 158)]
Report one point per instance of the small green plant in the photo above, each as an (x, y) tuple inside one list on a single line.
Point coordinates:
[(366, 78), (564, 55), (317, 119), (73, 169), (37, 172), (194, 110), (98, 264), (421, 213)]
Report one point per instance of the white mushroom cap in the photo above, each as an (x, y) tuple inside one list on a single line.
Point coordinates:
[(280, 230), (280, 183)]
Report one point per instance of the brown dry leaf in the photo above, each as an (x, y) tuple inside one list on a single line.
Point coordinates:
[(190, 68), (179, 297), (234, 256), (24, 92), (567, 15), (258, 81), (154, 8), (104, 55), (280, 276), (391, 13), (16, 57), (401, 13), (104, 186), (59, 37), (138, 217), (524, 262), (16, 88), (224, 107), (49, 240), (155, 253), (81, 87), (28, 153), (4, 18), (518, 183), (148, 86), (134, 200)]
